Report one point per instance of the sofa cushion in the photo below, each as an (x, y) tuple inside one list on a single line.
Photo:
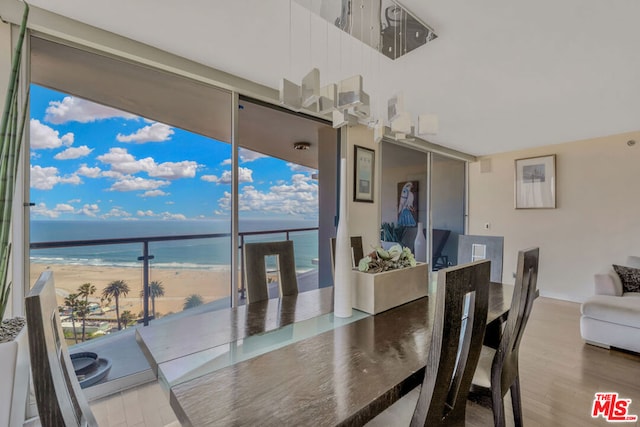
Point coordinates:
[(630, 278), (620, 310), (608, 284), (633, 261)]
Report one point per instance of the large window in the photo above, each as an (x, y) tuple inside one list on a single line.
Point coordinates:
[(120, 151)]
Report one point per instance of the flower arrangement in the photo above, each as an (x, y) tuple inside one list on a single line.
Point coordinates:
[(383, 260)]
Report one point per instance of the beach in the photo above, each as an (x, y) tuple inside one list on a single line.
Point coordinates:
[(210, 284)]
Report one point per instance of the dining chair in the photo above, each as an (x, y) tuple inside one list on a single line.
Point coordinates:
[(357, 251), (255, 269), (59, 398), (460, 319), (497, 371)]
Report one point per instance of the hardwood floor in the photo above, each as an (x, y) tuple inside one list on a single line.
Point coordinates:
[(559, 377)]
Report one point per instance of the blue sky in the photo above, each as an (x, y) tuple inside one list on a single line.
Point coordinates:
[(89, 161)]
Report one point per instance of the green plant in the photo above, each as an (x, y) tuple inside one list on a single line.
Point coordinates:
[(84, 291), (156, 289), (191, 301), (390, 232), (11, 135), (71, 301), (115, 289), (383, 260)]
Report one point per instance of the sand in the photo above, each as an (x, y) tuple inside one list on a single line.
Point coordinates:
[(178, 284)]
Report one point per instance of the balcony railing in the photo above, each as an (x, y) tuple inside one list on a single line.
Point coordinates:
[(146, 256)]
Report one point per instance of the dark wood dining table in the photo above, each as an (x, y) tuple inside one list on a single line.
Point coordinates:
[(291, 362)]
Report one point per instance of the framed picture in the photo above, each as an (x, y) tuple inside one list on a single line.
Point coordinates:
[(363, 174), (536, 182), (408, 203)]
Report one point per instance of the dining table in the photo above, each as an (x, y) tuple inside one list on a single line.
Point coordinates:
[(290, 361)]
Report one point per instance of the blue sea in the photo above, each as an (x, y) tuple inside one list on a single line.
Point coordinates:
[(180, 254)]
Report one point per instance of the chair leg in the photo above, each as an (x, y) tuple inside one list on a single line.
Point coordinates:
[(516, 402), (497, 405)]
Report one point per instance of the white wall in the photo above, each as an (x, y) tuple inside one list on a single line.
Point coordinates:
[(596, 222), (364, 218)]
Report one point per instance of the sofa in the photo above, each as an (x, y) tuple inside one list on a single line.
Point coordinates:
[(611, 317)]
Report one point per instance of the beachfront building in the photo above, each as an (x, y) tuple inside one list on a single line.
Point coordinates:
[(504, 86)]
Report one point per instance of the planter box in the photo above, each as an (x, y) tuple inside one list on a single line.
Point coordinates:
[(14, 386), (377, 292)]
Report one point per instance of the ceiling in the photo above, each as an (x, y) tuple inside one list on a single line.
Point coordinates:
[(501, 76)]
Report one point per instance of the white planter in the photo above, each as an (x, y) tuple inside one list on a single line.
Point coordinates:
[(377, 292), (14, 386)]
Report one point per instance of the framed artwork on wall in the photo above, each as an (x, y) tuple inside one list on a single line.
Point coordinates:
[(535, 186), (364, 159), (408, 203)]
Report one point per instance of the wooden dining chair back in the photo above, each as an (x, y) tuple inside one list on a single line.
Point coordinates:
[(255, 269), (356, 250), (59, 398), (504, 373), (460, 319)]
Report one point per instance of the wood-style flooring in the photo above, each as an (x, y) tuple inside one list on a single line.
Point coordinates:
[(559, 377)]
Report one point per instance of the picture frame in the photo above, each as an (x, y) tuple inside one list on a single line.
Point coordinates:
[(363, 174), (407, 202), (535, 182)]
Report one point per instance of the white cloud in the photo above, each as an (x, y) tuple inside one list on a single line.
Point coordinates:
[(41, 210), (42, 136), (84, 170), (171, 170), (300, 197), (299, 168), (46, 178), (73, 153), (249, 156), (245, 156), (157, 132), (64, 207), (72, 109), (244, 175), (74, 201), (89, 210), (113, 174), (154, 193), (161, 215), (121, 161), (136, 183), (116, 213), (172, 216), (124, 163)]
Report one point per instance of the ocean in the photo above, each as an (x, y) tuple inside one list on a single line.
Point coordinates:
[(179, 254)]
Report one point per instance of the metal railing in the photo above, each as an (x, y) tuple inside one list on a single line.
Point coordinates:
[(146, 256)]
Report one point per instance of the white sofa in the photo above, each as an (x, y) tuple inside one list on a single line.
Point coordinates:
[(611, 317)]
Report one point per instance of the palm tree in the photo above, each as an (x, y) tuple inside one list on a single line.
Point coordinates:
[(72, 301), (192, 300), (127, 318), (156, 289), (84, 291), (114, 290)]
